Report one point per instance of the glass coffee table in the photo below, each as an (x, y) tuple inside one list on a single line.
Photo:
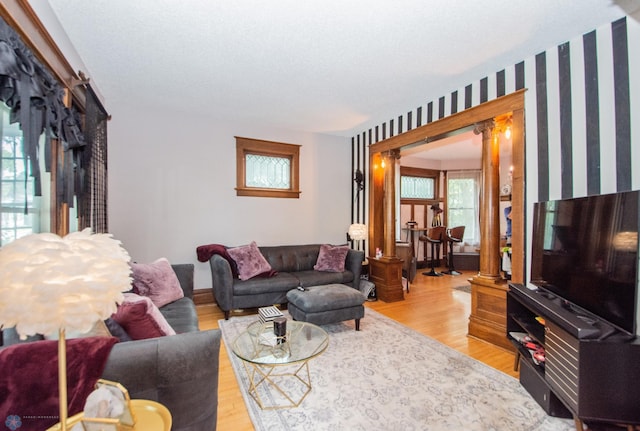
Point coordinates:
[(279, 363)]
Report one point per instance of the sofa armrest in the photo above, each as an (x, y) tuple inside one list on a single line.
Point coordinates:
[(184, 271), (222, 283), (354, 264), (178, 371)]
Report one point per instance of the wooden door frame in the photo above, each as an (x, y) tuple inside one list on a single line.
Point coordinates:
[(510, 104)]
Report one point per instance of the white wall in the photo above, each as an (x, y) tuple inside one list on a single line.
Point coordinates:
[(172, 179)]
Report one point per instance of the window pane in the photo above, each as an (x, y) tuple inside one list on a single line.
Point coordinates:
[(550, 220), (15, 185), (268, 172), (462, 197), (416, 187)]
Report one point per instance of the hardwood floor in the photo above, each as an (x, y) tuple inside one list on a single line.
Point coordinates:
[(432, 307)]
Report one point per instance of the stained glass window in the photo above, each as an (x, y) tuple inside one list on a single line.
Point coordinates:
[(417, 187), (267, 168), (267, 171)]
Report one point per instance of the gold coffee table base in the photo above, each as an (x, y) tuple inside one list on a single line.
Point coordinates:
[(260, 375), (278, 367)]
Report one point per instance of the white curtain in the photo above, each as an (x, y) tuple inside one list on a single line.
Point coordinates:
[(463, 203)]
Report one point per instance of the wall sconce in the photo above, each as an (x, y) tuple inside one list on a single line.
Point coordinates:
[(359, 179), (507, 131)]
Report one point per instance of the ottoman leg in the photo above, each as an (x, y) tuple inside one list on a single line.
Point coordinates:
[(357, 324)]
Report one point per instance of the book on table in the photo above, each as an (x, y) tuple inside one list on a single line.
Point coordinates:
[(267, 314)]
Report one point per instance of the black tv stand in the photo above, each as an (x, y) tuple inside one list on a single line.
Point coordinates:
[(590, 369)]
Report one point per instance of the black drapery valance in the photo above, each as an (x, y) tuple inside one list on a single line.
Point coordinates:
[(35, 99)]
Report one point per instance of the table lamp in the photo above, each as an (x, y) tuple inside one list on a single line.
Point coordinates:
[(50, 284), (358, 231)]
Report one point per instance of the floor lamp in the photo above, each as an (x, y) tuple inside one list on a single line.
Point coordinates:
[(51, 284)]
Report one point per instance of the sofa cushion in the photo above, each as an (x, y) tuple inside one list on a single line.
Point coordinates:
[(141, 319), (282, 282), (291, 258), (156, 280), (317, 278), (331, 258), (181, 315), (249, 260)]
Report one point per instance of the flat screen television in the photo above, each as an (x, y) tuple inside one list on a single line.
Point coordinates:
[(585, 251)]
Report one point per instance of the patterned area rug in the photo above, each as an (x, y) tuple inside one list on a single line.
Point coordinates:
[(464, 288), (390, 377)]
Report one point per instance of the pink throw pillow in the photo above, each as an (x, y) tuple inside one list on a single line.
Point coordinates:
[(141, 319), (156, 280), (249, 260), (331, 258)]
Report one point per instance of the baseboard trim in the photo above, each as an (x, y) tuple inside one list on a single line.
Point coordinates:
[(203, 297)]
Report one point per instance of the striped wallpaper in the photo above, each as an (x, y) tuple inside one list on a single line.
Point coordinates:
[(580, 105)]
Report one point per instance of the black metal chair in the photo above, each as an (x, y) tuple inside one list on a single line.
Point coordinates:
[(455, 234), (434, 236)]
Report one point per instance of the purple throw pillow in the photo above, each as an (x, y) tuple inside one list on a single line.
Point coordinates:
[(249, 260), (156, 280), (331, 258), (141, 319)]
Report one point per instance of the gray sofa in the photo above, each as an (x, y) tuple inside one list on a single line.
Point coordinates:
[(178, 371), (294, 266)]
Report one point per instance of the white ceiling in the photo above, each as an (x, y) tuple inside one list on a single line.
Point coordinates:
[(463, 146), (330, 66)]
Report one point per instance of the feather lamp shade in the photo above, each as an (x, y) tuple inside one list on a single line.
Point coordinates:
[(358, 231), (48, 282)]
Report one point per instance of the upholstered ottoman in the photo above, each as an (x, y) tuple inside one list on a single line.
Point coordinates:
[(330, 303)]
